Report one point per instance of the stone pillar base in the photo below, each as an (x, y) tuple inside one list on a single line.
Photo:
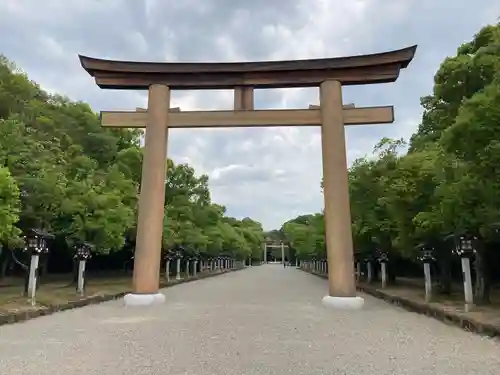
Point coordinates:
[(132, 299), (343, 303)]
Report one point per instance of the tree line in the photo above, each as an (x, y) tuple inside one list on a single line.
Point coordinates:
[(444, 180), (61, 172)]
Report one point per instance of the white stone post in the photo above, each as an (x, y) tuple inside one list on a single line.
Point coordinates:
[(428, 282), (369, 271), (167, 271), (178, 271), (35, 258), (469, 299), (81, 277), (383, 269)]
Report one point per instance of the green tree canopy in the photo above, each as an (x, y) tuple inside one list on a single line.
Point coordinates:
[(62, 172), (449, 179)]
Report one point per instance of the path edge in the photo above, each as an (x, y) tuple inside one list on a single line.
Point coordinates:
[(20, 317), (447, 317)]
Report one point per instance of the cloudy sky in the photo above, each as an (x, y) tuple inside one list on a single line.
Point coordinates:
[(268, 174)]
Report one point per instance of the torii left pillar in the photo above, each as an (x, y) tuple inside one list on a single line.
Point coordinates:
[(146, 278)]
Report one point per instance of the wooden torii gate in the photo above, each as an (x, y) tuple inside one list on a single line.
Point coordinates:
[(327, 74), (281, 246)]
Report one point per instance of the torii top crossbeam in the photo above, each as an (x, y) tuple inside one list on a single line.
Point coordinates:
[(351, 70)]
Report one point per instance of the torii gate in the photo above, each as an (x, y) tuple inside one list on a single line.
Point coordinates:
[(280, 246), (327, 74)]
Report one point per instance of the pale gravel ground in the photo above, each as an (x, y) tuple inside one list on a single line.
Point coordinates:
[(264, 320)]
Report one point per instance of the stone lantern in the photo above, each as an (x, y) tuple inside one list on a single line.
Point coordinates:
[(36, 244), (383, 259), (427, 257), (82, 255)]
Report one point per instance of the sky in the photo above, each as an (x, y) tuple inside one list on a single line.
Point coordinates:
[(269, 174)]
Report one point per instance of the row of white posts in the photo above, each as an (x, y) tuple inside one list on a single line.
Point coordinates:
[(192, 267), (467, 281), (321, 267), (33, 277), (465, 249), (191, 270)]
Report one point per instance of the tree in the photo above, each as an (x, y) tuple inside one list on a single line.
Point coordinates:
[(447, 182), (9, 207), (81, 182)]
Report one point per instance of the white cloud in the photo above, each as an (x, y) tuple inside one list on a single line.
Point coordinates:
[(269, 174)]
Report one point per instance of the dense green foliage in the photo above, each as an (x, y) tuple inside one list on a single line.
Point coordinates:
[(448, 181), (61, 172)]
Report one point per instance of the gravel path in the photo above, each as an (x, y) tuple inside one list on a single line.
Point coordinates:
[(264, 320)]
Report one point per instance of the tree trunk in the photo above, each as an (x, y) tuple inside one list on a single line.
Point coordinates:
[(26, 282), (391, 275), (3, 268), (43, 269), (4, 262), (444, 278), (483, 282), (376, 271), (74, 271)]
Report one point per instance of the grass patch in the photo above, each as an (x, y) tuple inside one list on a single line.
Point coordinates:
[(58, 292)]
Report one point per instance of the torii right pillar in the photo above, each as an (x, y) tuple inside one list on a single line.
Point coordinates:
[(338, 233)]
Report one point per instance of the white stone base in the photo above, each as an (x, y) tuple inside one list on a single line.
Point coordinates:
[(343, 303), (143, 299)]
